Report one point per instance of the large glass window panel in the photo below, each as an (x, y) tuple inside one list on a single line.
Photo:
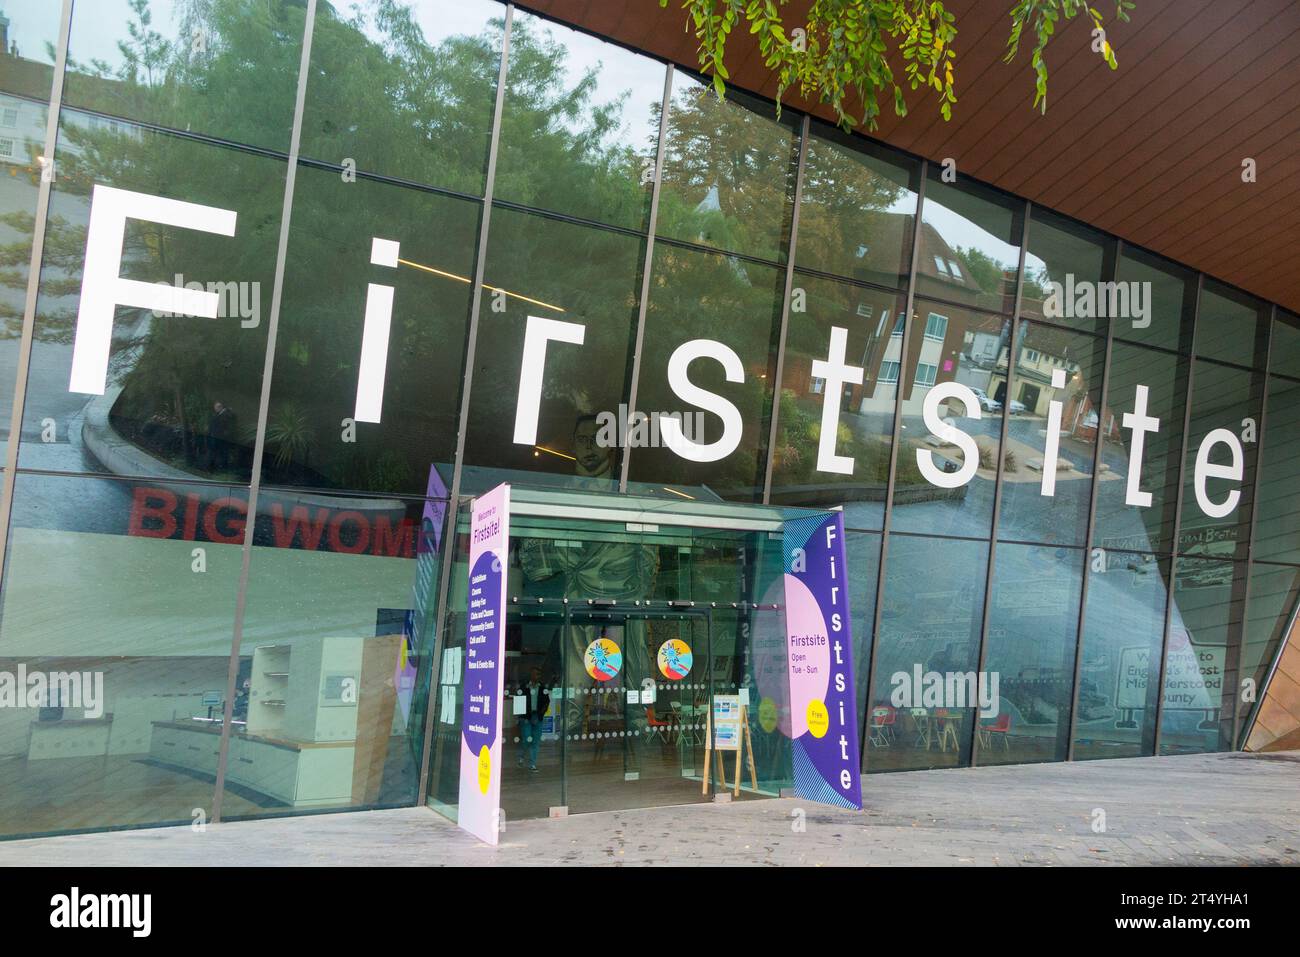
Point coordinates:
[(948, 344), (405, 89), (326, 677), (1033, 622), (1127, 479), (580, 125), (334, 419), (180, 393), (1123, 632), (1231, 326), (1202, 664), (227, 68), (1277, 526), (729, 172), (1224, 436), (1053, 366), (128, 587), (970, 244), (1161, 300), (866, 319), (31, 31), (541, 271), (1064, 261), (858, 209), (1274, 599), (720, 316), (929, 640)]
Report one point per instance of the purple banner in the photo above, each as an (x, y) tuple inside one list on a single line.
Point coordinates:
[(819, 639), (485, 647)]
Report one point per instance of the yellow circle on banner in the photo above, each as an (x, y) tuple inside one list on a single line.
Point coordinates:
[(484, 769), (767, 715), (819, 719)]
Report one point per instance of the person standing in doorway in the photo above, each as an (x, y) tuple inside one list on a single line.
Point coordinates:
[(536, 701)]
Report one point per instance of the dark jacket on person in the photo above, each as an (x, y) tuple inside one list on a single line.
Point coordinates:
[(221, 425), (543, 702)]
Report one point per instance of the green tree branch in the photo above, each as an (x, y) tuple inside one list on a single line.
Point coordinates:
[(845, 52)]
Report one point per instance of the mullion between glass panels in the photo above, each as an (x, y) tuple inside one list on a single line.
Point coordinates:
[(1088, 539), (1012, 351), (1178, 520), (441, 613), (27, 336), (1238, 736), (867, 284), (773, 423), (264, 401), (652, 227), (886, 522)]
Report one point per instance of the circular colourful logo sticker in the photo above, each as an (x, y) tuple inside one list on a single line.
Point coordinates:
[(675, 659), (603, 659)]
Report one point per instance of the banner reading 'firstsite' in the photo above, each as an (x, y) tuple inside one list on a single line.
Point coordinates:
[(485, 645), (819, 641)]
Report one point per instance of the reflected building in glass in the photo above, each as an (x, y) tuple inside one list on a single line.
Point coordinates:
[(281, 297)]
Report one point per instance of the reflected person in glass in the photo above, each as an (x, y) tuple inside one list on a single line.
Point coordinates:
[(536, 703)]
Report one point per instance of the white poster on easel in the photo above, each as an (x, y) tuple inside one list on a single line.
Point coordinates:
[(726, 722)]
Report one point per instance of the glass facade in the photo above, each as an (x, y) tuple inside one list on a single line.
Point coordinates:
[(301, 288)]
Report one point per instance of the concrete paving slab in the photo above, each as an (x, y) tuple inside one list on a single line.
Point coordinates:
[(1202, 809)]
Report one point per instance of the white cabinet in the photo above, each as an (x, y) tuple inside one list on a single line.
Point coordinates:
[(270, 769), (195, 748), (295, 774), (299, 744)]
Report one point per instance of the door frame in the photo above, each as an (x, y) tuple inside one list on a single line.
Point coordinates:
[(608, 609)]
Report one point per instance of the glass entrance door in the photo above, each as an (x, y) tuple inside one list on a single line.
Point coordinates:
[(605, 705), (637, 684)]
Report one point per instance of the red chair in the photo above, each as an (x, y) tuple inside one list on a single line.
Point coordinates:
[(1002, 727), (662, 729), (882, 725)]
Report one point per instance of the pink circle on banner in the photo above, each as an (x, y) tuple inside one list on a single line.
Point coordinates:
[(771, 675), (803, 617)]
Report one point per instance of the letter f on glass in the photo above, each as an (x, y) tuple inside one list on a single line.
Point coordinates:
[(103, 289)]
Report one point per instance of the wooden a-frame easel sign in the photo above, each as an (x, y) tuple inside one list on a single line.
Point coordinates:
[(742, 742)]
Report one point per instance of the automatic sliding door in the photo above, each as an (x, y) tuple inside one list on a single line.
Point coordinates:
[(626, 738)]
